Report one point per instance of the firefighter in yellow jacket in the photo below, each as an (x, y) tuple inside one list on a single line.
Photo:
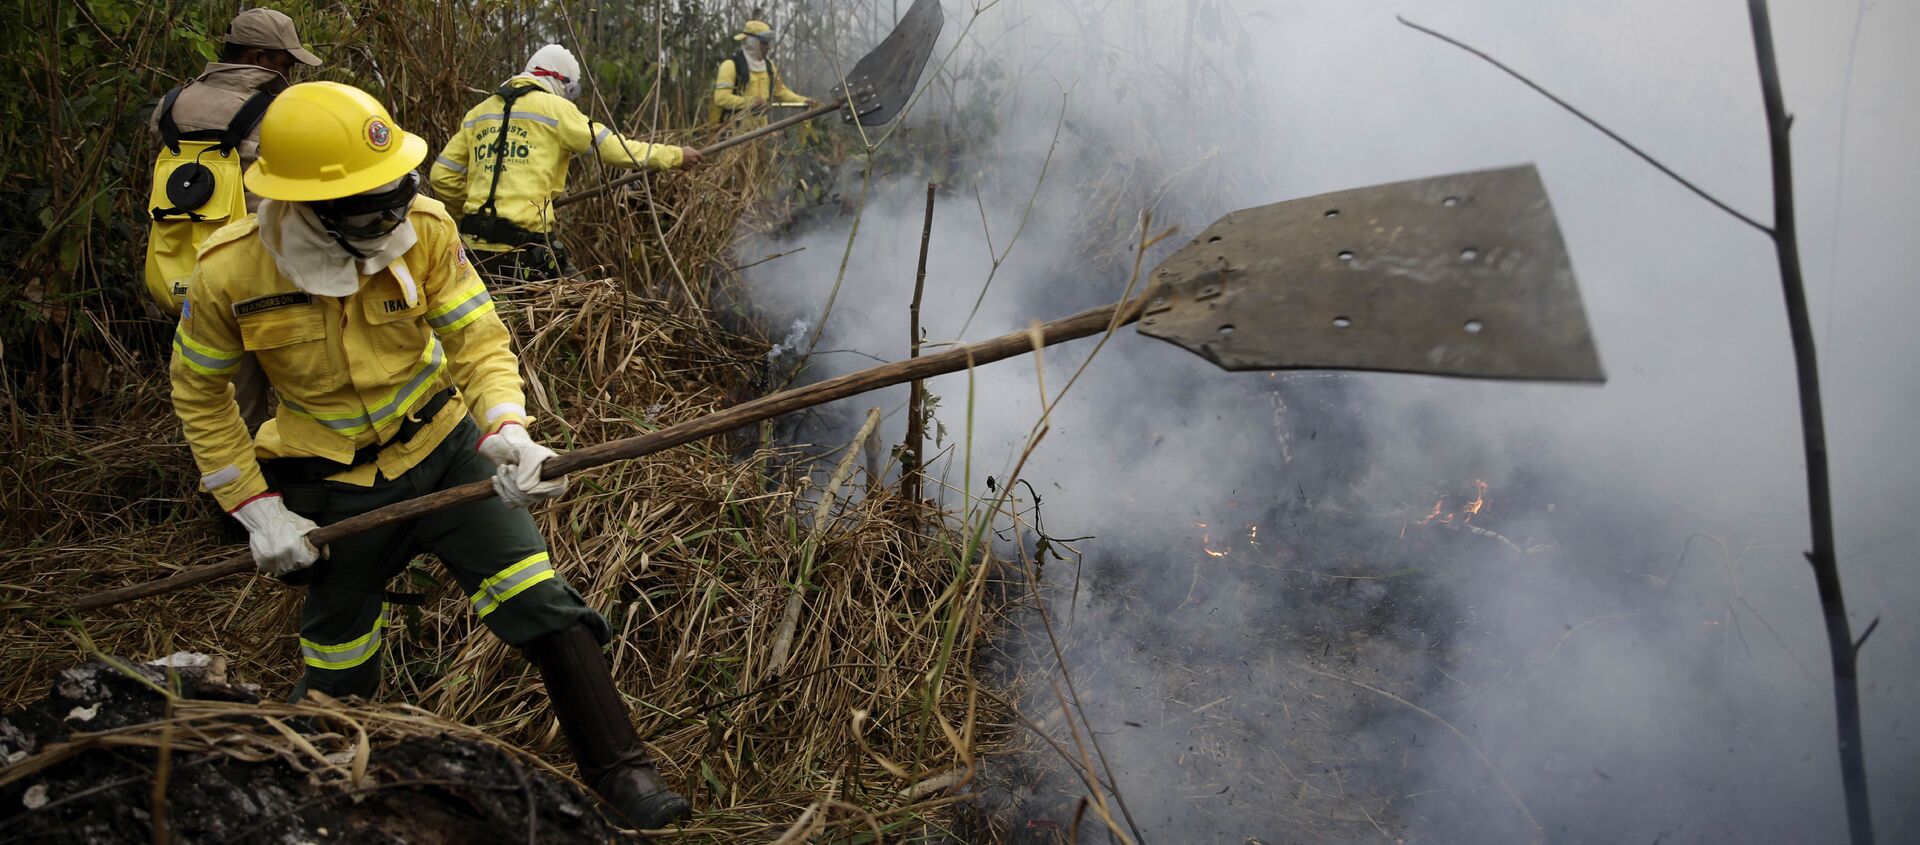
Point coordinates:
[(747, 83), (381, 340), (508, 161)]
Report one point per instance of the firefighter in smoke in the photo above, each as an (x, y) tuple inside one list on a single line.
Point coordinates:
[(747, 83), (209, 130), (508, 161), (396, 380)]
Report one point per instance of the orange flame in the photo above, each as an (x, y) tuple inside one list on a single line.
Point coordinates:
[(1479, 500), (1465, 514), (1206, 541)]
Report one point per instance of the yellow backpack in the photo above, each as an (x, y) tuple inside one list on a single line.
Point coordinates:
[(196, 190)]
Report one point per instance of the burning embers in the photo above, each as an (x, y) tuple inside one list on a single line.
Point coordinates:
[(1463, 515), (1460, 517), (1206, 540)]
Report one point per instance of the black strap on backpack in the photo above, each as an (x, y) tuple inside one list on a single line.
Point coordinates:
[(229, 138), (169, 130), (190, 185), (485, 222), (509, 92), (743, 74), (245, 119)]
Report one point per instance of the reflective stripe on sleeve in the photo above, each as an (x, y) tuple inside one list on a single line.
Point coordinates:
[(601, 135), (466, 307), (511, 581), (536, 118), (348, 654), (450, 164), (220, 478), (397, 403), (202, 358), (503, 409)]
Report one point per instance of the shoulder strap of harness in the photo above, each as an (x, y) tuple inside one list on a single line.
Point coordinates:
[(509, 91), (742, 72), (245, 119), (169, 130)]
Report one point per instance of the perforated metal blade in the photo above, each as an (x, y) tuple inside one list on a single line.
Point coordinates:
[(1462, 275), (882, 81)]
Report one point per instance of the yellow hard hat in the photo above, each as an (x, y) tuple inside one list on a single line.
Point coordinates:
[(323, 141), (758, 29)]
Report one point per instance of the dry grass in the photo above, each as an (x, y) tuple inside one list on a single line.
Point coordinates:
[(691, 554)]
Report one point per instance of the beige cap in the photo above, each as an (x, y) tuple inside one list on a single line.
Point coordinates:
[(271, 29)]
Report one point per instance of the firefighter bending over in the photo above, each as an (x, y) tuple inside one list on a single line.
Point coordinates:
[(396, 380)]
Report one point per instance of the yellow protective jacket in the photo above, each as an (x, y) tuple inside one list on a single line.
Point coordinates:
[(347, 369), (730, 95), (546, 132)]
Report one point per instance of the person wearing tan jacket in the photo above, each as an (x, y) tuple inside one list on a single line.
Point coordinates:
[(260, 51)]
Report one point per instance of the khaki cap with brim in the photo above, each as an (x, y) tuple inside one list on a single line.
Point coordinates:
[(270, 29)]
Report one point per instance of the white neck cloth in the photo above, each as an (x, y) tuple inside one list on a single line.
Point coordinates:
[(309, 257)]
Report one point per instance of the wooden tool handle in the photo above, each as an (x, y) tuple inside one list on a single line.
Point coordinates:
[(1080, 325), (762, 132)]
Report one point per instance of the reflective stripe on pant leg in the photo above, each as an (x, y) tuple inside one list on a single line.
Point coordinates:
[(509, 582), (345, 655)]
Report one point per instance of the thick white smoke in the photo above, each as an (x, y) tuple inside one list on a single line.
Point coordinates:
[(1619, 693)]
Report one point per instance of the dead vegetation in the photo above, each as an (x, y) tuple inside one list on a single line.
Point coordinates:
[(692, 554), (867, 726)]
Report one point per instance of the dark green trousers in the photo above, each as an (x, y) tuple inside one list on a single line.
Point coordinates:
[(494, 552)]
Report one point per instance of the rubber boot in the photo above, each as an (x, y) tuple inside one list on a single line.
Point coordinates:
[(612, 760)]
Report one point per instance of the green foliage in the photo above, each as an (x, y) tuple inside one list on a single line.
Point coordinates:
[(77, 160)]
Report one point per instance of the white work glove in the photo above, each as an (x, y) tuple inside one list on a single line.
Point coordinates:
[(519, 459), (277, 536)]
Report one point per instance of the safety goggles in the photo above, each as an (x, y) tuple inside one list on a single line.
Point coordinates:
[(370, 215), (766, 38)]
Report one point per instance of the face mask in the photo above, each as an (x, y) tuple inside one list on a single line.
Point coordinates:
[(369, 216)]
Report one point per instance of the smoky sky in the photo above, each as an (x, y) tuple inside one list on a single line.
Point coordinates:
[(1626, 695)]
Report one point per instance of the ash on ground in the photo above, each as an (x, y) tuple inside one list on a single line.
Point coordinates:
[(81, 766)]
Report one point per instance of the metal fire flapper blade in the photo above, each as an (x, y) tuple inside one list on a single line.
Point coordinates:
[(1462, 275), (883, 80)]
